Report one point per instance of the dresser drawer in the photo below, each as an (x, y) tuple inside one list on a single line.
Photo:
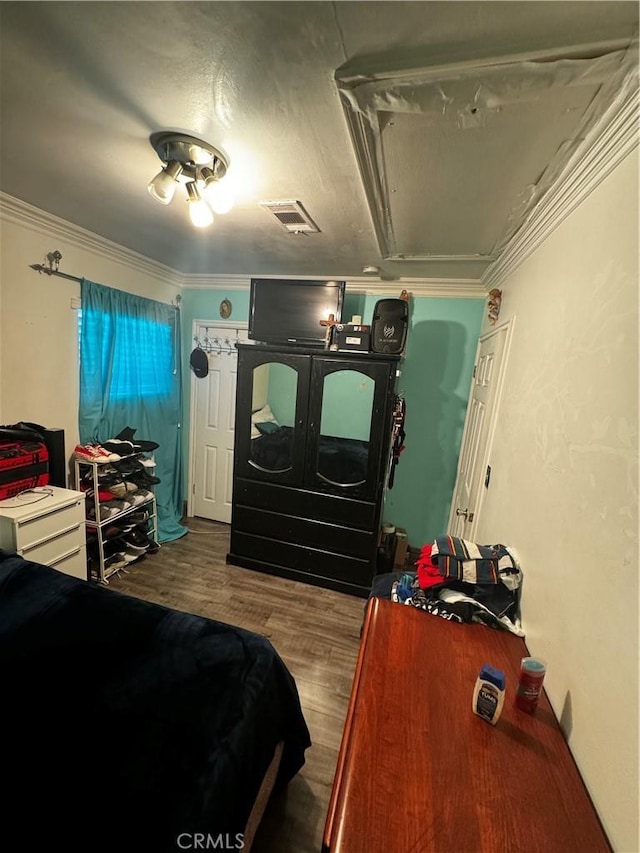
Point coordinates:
[(33, 531), (74, 564), (55, 548)]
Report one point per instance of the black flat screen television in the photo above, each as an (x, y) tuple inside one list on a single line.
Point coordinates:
[(287, 311)]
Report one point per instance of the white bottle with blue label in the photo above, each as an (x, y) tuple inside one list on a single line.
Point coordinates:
[(488, 695)]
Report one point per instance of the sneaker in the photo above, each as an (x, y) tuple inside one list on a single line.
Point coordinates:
[(130, 465), (129, 557), (137, 537), (103, 495), (142, 539), (114, 563), (121, 489), (140, 516), (113, 546), (119, 446), (106, 512), (130, 548), (94, 453), (118, 504), (112, 531), (108, 470), (86, 452), (146, 446), (142, 479)]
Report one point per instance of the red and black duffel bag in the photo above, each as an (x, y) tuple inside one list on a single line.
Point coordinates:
[(24, 461)]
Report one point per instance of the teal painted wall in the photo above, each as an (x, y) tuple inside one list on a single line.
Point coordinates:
[(205, 305), (435, 379)]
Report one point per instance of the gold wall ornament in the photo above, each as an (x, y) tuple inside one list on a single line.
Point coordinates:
[(225, 309), (493, 305)]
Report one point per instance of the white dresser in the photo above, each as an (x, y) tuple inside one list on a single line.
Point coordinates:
[(50, 530)]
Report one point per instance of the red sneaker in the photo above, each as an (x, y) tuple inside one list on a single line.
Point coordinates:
[(86, 452), (94, 453)]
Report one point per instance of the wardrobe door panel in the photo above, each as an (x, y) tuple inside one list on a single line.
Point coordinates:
[(271, 416), (348, 406)]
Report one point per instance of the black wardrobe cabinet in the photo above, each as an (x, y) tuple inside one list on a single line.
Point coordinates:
[(312, 448)]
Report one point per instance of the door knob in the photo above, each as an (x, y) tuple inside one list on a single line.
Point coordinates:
[(464, 512)]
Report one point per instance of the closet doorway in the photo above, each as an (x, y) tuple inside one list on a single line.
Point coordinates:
[(474, 474), (212, 421)]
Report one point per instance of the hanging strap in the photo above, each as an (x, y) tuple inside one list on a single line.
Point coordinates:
[(398, 435)]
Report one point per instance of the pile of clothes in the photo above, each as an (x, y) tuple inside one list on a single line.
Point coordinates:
[(464, 582)]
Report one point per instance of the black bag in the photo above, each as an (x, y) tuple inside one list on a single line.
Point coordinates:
[(23, 431)]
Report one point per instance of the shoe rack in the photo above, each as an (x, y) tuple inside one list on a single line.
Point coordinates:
[(135, 510)]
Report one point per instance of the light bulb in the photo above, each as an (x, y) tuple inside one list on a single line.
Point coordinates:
[(219, 197), (199, 212), (163, 186)]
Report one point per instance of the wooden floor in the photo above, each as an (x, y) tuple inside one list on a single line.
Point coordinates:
[(315, 631)]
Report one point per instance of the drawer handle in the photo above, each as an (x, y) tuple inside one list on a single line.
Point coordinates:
[(64, 557), (53, 511), (38, 542)]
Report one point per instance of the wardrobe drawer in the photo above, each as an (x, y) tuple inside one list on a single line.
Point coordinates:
[(33, 531), (334, 509), (313, 562), (303, 531)]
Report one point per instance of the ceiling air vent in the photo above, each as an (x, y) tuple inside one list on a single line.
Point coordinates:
[(291, 215)]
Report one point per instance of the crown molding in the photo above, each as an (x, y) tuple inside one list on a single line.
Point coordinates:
[(27, 216), (460, 288), (216, 281), (447, 288), (612, 141)]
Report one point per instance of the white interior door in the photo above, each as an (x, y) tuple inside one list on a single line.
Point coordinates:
[(474, 475), (213, 433)]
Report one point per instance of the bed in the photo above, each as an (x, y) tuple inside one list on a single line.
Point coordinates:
[(129, 725)]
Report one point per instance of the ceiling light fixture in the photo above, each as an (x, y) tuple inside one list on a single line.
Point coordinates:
[(197, 165)]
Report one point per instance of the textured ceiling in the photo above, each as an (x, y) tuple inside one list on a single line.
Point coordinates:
[(83, 85)]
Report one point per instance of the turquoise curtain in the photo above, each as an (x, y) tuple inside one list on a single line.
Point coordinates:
[(130, 377)]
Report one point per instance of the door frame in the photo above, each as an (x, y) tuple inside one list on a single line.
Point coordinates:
[(232, 326), (507, 329)]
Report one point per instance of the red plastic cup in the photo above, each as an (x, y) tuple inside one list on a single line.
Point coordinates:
[(532, 672)]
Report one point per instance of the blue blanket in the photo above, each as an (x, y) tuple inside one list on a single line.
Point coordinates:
[(125, 723)]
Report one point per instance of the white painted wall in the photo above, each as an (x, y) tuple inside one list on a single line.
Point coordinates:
[(38, 327), (564, 487)]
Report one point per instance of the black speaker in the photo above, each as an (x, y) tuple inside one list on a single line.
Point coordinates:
[(389, 326), (54, 441)]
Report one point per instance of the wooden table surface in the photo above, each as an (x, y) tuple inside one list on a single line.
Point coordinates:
[(419, 771)]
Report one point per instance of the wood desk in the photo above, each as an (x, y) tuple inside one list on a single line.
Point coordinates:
[(418, 771)]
